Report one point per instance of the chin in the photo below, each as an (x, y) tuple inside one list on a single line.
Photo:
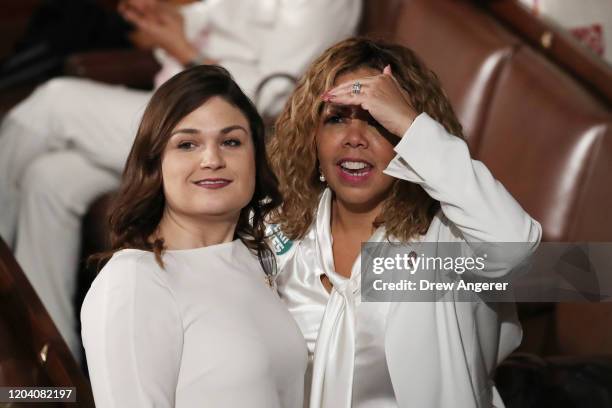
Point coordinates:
[(218, 207), (362, 196), (220, 202), (221, 212)]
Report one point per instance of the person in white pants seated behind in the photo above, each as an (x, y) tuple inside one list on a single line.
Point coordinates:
[(66, 144)]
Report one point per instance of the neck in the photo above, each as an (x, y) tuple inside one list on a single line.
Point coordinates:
[(181, 231), (357, 220)]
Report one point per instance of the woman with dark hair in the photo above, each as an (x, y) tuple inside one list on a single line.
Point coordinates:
[(182, 315), (368, 148)]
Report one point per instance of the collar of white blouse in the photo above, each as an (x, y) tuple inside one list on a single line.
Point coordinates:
[(334, 355)]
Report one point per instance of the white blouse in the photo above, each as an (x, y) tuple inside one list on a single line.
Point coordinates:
[(410, 354), (317, 311), (204, 331)]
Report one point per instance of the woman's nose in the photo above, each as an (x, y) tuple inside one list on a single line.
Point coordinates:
[(212, 158), (356, 134)]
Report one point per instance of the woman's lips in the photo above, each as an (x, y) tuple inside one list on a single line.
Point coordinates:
[(354, 175), (213, 183)]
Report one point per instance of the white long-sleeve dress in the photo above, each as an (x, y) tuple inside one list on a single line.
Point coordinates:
[(206, 331), (413, 354)]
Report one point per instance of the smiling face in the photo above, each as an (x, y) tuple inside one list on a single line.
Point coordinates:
[(208, 165), (353, 151)]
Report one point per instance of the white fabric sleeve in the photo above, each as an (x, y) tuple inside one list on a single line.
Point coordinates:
[(470, 197), (196, 17), (133, 335)]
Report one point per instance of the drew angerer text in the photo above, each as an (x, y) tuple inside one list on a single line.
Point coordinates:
[(425, 285)]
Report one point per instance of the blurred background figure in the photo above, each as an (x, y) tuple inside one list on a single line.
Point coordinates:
[(56, 29), (66, 144)]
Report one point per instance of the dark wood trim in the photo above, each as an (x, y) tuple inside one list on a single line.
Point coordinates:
[(41, 350)]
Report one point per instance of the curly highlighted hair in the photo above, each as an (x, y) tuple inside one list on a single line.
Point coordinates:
[(408, 210)]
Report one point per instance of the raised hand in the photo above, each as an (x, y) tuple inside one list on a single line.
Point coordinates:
[(140, 6), (380, 95), (162, 27)]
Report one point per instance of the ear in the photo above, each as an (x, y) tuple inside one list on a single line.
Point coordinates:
[(387, 70)]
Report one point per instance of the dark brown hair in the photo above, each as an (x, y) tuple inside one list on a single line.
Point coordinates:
[(408, 209), (137, 210)]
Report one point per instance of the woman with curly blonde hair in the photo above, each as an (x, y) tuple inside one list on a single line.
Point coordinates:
[(368, 149)]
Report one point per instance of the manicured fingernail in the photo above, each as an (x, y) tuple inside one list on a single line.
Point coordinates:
[(327, 97)]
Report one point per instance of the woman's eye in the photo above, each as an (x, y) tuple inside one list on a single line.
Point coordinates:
[(186, 145), (333, 119), (232, 142)]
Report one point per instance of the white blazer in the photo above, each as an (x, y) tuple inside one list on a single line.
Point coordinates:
[(438, 354)]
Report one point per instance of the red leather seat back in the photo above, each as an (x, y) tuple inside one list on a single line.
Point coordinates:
[(592, 215), (379, 17), (542, 135), (463, 46)]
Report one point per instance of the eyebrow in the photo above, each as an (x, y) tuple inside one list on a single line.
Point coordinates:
[(223, 131)]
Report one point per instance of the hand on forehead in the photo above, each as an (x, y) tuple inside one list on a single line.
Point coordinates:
[(356, 112)]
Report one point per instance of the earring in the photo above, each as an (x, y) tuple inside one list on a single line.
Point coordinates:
[(321, 176)]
